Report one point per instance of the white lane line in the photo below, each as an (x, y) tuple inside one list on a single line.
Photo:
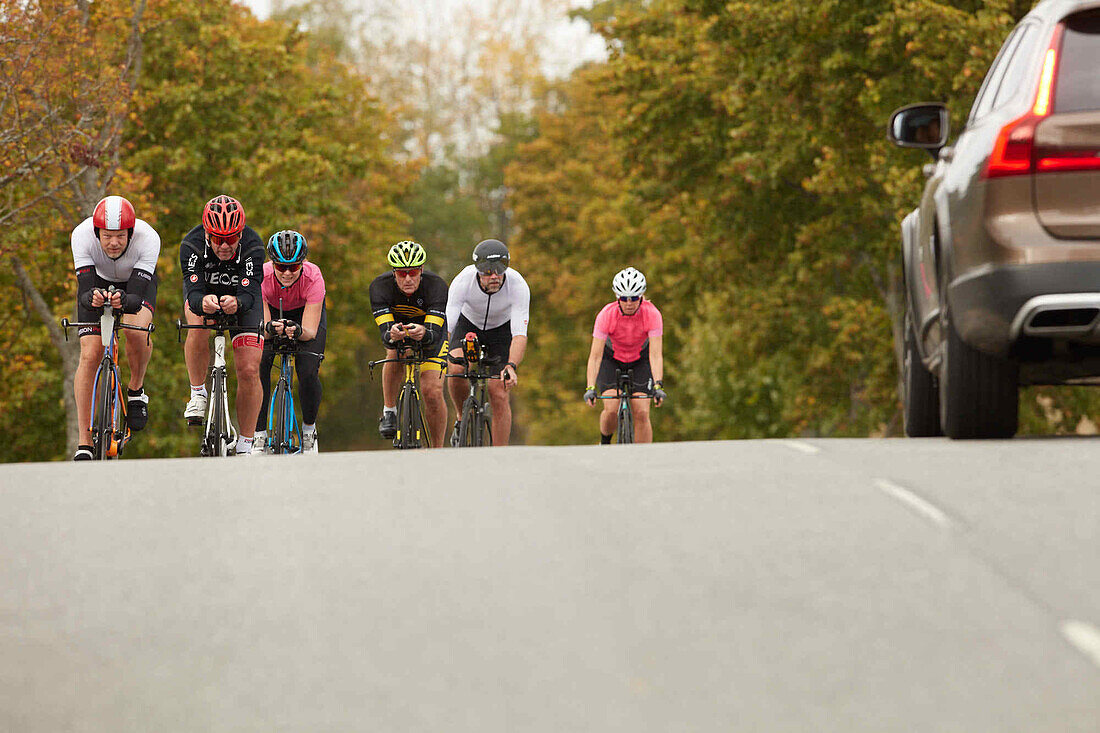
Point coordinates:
[(1085, 637), (800, 446), (917, 503)]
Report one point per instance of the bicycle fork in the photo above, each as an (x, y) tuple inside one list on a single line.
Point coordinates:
[(219, 397)]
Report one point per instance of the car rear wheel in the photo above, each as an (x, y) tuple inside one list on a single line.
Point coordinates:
[(921, 398), (978, 392)]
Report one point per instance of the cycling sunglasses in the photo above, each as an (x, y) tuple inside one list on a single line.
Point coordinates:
[(407, 271), (287, 268), (630, 298), (492, 268), (219, 239)]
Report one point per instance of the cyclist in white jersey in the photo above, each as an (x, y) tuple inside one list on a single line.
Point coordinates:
[(492, 300), (112, 247)]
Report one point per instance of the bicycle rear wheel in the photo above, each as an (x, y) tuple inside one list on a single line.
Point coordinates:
[(626, 423)]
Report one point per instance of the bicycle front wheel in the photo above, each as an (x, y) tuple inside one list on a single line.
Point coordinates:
[(281, 438), (408, 414), (474, 430), (218, 434), (102, 430), (626, 423)]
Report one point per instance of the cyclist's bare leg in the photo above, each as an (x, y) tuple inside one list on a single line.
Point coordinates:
[(459, 388), (247, 350), (502, 412), (608, 418), (196, 349), (91, 351), (138, 347), (391, 380), (643, 428), (435, 407)]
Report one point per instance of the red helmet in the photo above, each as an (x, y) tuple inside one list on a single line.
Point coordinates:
[(224, 216), (113, 212)]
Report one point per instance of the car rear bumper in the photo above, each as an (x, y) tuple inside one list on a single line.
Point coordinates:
[(993, 307)]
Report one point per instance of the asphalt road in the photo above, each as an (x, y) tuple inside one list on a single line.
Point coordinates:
[(826, 585)]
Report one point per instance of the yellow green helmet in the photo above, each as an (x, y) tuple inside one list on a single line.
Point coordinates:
[(407, 254)]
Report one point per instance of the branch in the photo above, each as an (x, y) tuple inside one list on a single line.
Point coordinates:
[(44, 313)]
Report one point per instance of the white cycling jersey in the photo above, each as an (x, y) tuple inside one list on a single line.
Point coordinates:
[(511, 303), (142, 253)]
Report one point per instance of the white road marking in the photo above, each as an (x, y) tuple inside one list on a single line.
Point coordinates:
[(1085, 637), (921, 505), (800, 446)]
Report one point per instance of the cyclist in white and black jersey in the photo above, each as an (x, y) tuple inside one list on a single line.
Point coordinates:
[(112, 247), (492, 300)]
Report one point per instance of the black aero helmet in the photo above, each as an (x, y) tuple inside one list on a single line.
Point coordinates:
[(491, 255), (287, 247)]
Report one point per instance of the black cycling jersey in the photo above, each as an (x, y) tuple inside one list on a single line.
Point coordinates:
[(205, 274), (427, 306)]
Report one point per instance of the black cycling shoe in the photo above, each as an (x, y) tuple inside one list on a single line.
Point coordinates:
[(83, 453), (137, 409), (387, 426)]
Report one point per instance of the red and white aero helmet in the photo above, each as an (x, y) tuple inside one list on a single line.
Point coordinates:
[(224, 216), (114, 213)]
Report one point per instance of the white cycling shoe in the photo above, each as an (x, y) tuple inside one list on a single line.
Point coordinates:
[(309, 442), (195, 412)]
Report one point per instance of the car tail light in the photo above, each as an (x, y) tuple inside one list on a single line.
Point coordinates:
[(1013, 153)]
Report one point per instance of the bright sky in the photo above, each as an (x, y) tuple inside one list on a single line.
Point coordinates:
[(570, 42)]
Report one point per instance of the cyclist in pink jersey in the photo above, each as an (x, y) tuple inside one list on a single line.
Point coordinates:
[(627, 336), (295, 284)]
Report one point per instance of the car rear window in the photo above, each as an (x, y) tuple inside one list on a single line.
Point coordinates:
[(1078, 86)]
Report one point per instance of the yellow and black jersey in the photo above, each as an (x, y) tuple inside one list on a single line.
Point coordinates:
[(427, 306)]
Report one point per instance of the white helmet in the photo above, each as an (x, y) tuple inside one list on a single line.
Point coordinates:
[(628, 282)]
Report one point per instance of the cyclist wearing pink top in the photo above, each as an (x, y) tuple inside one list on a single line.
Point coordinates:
[(627, 336), (298, 287)]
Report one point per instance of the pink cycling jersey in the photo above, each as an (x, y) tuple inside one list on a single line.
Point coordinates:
[(308, 288), (628, 334)]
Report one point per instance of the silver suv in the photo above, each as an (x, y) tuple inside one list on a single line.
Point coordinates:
[(1002, 257)]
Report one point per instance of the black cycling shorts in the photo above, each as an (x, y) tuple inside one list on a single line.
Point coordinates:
[(642, 373), (91, 315), (497, 342)]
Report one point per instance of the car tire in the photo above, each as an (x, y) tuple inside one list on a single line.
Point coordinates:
[(978, 392), (922, 397)]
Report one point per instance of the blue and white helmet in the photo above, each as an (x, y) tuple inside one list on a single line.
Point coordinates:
[(628, 282), (287, 247)]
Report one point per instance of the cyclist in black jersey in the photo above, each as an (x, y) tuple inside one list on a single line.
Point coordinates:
[(222, 262), (409, 305)]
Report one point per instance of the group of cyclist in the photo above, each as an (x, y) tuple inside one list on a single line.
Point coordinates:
[(226, 278)]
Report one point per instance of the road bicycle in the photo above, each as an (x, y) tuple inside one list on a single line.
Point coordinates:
[(109, 431), (475, 426), (284, 430), (412, 429), (624, 392), (218, 431)]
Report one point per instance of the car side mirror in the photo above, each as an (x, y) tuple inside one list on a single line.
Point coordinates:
[(924, 126)]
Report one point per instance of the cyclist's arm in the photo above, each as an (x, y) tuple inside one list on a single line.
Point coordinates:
[(192, 266), (436, 319), (85, 285), (517, 349), (657, 358), (311, 321), (595, 356), (251, 272), (382, 312), (456, 297), (136, 290)]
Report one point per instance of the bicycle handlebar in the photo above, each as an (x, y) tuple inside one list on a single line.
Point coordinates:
[(66, 324), (220, 323)]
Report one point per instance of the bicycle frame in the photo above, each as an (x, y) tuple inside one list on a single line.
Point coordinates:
[(624, 393), (284, 432), (218, 430), (412, 428), (476, 417), (110, 433)]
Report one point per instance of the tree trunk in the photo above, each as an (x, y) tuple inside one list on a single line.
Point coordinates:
[(68, 350)]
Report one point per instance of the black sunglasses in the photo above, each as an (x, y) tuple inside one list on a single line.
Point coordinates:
[(630, 298), (494, 268)]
